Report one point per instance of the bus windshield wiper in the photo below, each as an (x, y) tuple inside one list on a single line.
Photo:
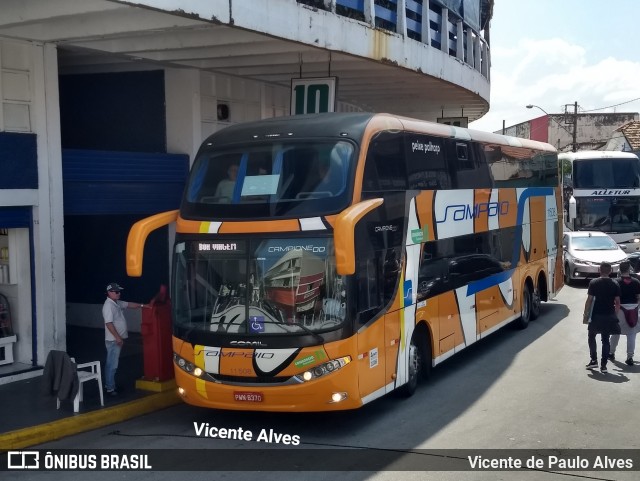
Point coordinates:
[(301, 326)]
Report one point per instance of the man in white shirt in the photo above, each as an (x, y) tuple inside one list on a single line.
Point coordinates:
[(115, 332)]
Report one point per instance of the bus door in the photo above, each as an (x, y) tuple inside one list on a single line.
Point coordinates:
[(369, 326)]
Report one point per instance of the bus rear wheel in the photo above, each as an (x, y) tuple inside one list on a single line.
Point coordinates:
[(536, 303), (525, 315)]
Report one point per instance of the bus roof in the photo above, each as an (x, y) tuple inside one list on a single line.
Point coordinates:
[(596, 154), (353, 125)]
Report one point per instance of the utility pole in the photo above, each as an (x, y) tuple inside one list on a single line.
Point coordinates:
[(575, 127)]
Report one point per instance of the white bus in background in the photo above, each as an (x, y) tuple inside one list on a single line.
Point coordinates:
[(606, 195)]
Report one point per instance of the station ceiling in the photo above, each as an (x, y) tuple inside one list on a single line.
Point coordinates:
[(102, 35)]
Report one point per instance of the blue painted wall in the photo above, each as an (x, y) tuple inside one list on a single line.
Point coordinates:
[(18, 161), (113, 111), (115, 172)]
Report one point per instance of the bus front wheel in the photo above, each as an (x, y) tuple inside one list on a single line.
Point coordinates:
[(419, 356)]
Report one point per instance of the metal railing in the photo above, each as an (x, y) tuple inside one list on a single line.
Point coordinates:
[(420, 20)]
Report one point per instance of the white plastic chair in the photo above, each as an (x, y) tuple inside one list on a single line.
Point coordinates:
[(93, 372)]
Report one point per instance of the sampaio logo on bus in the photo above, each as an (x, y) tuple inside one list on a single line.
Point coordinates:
[(248, 355), (460, 212)]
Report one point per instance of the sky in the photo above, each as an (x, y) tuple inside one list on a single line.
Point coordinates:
[(551, 53)]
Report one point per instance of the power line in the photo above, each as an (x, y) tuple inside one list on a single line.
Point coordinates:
[(611, 106)]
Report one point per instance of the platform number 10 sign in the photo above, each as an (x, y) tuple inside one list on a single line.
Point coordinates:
[(313, 95)]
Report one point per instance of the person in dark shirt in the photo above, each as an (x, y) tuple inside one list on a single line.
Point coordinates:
[(600, 312), (628, 314)]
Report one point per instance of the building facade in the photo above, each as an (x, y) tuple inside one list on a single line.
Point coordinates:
[(103, 105), (625, 138), (592, 131)]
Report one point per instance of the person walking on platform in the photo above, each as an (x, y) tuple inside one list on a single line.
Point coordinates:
[(600, 313), (628, 314), (115, 332)]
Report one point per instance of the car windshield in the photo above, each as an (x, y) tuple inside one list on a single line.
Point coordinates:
[(595, 243)]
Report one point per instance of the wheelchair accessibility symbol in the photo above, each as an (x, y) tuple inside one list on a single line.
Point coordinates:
[(256, 323)]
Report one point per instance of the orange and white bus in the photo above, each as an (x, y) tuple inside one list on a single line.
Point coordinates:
[(348, 254)]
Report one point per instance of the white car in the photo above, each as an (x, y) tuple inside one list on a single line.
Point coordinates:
[(585, 250)]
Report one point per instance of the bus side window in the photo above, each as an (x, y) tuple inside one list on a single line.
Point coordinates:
[(472, 171), (463, 154), (390, 273), (433, 273), (385, 166), (427, 166)]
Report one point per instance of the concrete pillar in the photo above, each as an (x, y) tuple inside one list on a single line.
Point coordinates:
[(426, 26), (48, 214), (460, 43), (401, 17), (444, 31), (485, 59), (182, 98), (370, 12), (476, 52)]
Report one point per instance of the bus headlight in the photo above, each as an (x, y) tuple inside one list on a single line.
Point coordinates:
[(337, 397), (323, 369), (186, 366)]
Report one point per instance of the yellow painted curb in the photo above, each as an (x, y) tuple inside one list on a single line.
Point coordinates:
[(156, 386), (79, 423)]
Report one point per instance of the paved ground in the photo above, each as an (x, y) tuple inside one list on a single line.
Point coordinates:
[(515, 390), (29, 415), (526, 390)]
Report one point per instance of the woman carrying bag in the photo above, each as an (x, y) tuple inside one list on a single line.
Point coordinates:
[(628, 313)]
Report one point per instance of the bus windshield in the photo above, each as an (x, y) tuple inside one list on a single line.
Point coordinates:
[(313, 176), (258, 287), (608, 214), (606, 173)]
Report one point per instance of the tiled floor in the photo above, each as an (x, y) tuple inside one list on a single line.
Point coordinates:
[(25, 403)]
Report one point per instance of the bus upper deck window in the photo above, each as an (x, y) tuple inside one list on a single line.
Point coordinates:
[(464, 159)]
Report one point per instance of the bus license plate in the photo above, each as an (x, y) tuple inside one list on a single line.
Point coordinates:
[(248, 397)]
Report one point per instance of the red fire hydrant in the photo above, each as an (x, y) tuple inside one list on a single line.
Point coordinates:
[(156, 338)]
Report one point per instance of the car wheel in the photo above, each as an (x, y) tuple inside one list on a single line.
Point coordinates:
[(567, 275)]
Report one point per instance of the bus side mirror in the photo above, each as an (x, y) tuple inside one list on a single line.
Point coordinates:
[(138, 236), (344, 234), (572, 208)]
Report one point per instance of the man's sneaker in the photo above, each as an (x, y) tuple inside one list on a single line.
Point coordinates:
[(592, 363), (629, 362), (603, 368), (612, 357), (112, 392)]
